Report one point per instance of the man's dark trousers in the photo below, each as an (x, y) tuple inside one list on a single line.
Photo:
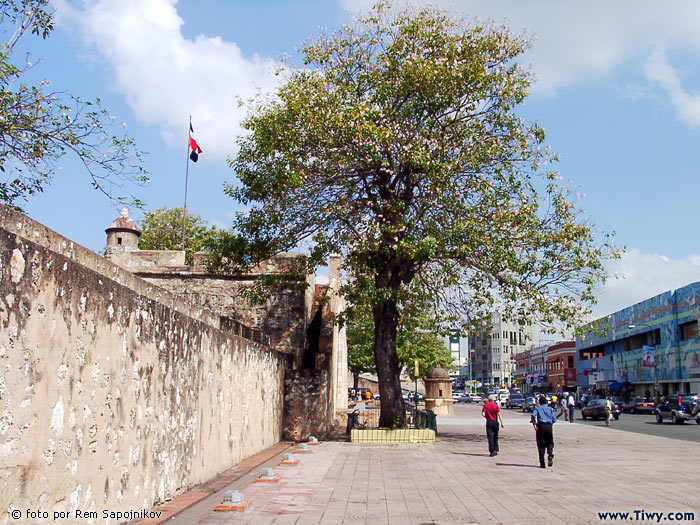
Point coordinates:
[(545, 441), (492, 435)]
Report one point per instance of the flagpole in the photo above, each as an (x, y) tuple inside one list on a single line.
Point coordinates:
[(187, 176)]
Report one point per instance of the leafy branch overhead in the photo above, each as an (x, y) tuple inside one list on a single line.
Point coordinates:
[(38, 127)]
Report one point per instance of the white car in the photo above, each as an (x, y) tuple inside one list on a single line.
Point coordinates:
[(456, 397), (472, 398)]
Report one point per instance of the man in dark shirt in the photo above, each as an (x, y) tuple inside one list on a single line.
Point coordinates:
[(542, 419), (492, 413)]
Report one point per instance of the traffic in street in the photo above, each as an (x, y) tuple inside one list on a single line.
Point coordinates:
[(640, 423)]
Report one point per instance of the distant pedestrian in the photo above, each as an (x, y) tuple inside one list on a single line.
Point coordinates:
[(608, 411), (565, 407), (542, 419), (492, 413), (572, 407)]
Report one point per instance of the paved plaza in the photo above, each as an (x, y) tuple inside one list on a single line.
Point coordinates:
[(596, 470)]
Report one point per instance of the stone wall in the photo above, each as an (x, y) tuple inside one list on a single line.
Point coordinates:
[(284, 318), (306, 404), (114, 393)]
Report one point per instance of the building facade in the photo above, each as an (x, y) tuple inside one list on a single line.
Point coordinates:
[(652, 346), (492, 351), (561, 366), (522, 370)]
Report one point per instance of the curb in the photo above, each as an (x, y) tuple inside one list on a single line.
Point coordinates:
[(200, 492)]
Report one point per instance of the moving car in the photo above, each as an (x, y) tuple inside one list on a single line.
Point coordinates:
[(694, 410), (675, 407), (595, 409), (515, 401), (472, 398), (529, 404)]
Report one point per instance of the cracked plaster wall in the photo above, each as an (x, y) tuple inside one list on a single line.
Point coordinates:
[(113, 393)]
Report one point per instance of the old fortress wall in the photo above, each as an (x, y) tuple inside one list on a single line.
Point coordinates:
[(116, 392)]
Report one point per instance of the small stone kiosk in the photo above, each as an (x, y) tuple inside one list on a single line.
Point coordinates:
[(438, 392)]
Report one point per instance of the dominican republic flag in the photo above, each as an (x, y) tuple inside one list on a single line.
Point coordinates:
[(196, 150)]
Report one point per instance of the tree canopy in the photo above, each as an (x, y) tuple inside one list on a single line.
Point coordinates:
[(399, 146), (39, 126), (161, 229)]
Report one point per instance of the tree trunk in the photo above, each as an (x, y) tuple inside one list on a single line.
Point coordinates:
[(355, 379), (393, 413)]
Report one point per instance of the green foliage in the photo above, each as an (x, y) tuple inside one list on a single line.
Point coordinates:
[(39, 127), (418, 337), (399, 147), (161, 229)]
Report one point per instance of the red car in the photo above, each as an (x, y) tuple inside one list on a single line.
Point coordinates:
[(643, 404)]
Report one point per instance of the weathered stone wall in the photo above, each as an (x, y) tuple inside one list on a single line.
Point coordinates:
[(306, 404), (113, 393), (282, 318)]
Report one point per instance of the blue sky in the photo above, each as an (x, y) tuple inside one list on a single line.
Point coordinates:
[(618, 94)]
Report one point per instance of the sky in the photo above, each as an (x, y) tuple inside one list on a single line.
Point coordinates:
[(618, 94)]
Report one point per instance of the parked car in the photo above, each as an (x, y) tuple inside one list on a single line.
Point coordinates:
[(515, 401), (641, 404), (595, 409), (675, 407), (456, 397), (411, 396)]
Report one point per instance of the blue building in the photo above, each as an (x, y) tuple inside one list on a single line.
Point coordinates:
[(650, 346)]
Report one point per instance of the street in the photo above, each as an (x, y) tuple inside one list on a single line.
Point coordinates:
[(646, 424), (640, 423)]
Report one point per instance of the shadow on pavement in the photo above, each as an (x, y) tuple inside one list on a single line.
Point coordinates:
[(516, 465), (469, 454)]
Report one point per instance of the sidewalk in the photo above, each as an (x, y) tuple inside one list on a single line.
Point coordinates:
[(596, 469)]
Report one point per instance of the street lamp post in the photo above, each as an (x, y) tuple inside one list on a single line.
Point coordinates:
[(656, 381)]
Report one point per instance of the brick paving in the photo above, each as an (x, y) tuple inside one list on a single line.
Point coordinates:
[(596, 469)]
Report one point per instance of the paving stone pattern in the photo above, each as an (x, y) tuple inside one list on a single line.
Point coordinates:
[(596, 469)]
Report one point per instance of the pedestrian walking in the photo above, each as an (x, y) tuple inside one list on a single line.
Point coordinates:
[(543, 418), (492, 413), (608, 411), (572, 407)]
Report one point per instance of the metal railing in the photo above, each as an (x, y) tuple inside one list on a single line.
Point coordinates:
[(368, 418)]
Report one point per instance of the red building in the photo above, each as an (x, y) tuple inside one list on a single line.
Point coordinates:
[(561, 366)]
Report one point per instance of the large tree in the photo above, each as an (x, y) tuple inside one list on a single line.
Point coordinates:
[(38, 126), (399, 145)]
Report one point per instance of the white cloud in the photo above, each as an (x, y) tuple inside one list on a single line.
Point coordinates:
[(165, 77), (582, 41), (661, 73), (644, 275)]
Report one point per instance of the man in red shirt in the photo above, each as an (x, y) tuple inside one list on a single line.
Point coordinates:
[(492, 413)]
